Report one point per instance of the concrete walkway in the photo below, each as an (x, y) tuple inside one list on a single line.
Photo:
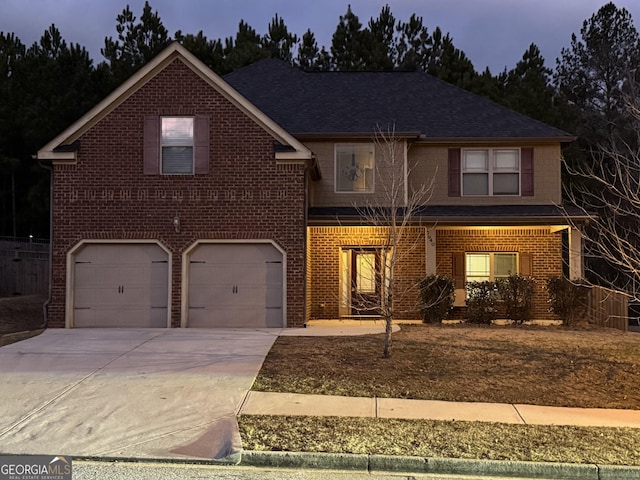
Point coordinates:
[(268, 403)]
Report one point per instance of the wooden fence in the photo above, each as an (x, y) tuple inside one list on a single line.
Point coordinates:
[(608, 308), (24, 266)]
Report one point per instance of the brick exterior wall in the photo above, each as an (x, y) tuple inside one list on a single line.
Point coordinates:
[(544, 246), (245, 195), (324, 267)]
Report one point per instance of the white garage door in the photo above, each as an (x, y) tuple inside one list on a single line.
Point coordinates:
[(235, 285), (121, 285)]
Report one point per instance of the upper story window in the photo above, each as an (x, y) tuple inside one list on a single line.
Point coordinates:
[(176, 143), (491, 172), (354, 166)]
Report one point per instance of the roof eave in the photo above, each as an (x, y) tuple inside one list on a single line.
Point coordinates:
[(54, 157), (421, 138), (476, 221), (493, 140), (351, 135)]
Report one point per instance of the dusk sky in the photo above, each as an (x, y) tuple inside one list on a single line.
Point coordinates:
[(493, 33)]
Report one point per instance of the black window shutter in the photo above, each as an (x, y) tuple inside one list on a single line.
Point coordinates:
[(151, 145), (201, 144), (526, 160), (457, 272), (526, 264), (454, 172)]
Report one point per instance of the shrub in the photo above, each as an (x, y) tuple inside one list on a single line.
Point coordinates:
[(436, 297), (516, 292), (569, 300), (481, 302)]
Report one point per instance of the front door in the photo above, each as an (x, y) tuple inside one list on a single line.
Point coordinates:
[(366, 279)]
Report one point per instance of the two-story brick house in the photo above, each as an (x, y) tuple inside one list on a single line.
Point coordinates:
[(185, 199)]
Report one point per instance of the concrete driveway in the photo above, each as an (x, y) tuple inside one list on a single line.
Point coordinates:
[(142, 393)]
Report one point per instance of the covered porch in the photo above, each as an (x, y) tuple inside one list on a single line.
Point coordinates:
[(348, 261)]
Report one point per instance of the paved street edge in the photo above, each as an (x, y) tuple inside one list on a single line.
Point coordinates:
[(407, 464)]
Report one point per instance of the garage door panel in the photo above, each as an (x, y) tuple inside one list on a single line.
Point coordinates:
[(121, 318), (85, 297), (232, 285), (121, 285), (248, 274), (159, 275), (251, 296), (201, 317), (273, 317), (273, 298), (158, 317), (95, 275), (273, 274), (211, 296), (246, 316), (209, 274)]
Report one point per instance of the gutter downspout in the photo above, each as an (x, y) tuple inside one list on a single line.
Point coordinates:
[(45, 306), (406, 174)]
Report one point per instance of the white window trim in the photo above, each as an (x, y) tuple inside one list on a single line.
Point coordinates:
[(192, 145), (490, 172), (336, 173)]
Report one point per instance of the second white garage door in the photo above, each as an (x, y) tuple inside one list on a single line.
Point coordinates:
[(235, 285)]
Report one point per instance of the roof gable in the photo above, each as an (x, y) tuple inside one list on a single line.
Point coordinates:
[(356, 103), (59, 148)]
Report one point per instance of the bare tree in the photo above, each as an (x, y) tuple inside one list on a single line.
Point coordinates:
[(608, 189), (393, 210)]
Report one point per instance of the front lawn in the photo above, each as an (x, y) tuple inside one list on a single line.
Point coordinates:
[(531, 365)]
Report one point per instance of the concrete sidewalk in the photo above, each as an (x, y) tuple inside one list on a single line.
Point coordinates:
[(268, 403)]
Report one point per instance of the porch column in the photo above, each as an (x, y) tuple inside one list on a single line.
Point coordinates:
[(430, 250), (576, 266)]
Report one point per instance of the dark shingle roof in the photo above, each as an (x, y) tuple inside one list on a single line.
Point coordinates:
[(356, 102)]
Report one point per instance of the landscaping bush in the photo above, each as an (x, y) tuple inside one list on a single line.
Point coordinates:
[(436, 297), (516, 291), (481, 302), (569, 300)]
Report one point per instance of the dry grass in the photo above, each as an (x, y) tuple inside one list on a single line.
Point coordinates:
[(537, 365), (18, 314), (427, 438), (540, 365)]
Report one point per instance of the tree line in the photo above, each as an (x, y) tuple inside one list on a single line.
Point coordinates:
[(48, 85)]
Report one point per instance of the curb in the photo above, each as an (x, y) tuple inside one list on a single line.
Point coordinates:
[(451, 466), (13, 337)]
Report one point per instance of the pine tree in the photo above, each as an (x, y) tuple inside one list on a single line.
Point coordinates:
[(348, 44), (278, 42), (137, 42)]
